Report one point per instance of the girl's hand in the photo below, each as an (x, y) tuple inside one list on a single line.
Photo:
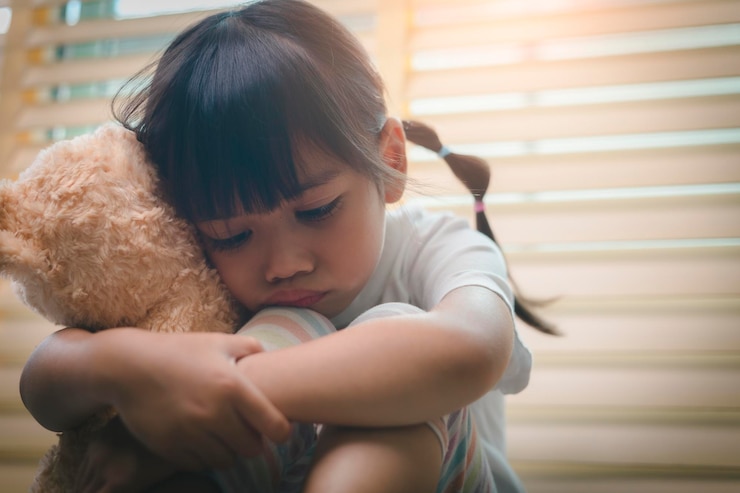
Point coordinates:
[(116, 462), (182, 396)]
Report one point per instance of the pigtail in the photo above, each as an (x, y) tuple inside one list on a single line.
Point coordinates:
[(475, 174), (523, 307)]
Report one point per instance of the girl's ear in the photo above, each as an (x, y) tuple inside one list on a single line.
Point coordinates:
[(393, 153)]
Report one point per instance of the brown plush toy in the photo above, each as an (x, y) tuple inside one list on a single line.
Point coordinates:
[(88, 242)]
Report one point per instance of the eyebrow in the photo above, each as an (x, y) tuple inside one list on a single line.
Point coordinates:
[(317, 180)]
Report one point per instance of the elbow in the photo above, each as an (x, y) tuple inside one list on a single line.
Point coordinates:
[(483, 360), (483, 329), (486, 364), (40, 389), (24, 389), (27, 386)]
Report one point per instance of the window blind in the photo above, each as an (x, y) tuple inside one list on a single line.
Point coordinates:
[(612, 128), (613, 132)]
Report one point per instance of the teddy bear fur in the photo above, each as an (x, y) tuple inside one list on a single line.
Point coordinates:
[(88, 241)]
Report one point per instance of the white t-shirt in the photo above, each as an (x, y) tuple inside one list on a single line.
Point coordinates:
[(425, 256)]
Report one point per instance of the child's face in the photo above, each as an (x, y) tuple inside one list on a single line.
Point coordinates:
[(315, 251)]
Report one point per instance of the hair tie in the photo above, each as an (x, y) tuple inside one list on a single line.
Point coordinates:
[(479, 206), (444, 151)]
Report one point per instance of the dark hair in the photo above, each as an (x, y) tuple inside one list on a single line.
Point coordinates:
[(236, 96)]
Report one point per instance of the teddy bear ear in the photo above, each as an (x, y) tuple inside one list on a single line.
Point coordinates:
[(16, 254)]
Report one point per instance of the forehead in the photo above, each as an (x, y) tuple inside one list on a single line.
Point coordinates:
[(314, 165)]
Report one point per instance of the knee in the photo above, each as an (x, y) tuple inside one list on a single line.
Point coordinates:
[(280, 327), (369, 460)]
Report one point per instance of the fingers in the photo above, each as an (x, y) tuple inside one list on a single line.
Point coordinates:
[(196, 447), (204, 412), (239, 347), (219, 449), (251, 403), (248, 442), (256, 409)]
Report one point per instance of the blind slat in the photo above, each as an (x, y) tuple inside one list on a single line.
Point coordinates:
[(344, 8), (95, 30), (631, 387), (10, 400), (17, 476), (74, 113), (592, 171), (535, 173), (632, 330), (23, 438), (628, 69), (20, 336), (629, 220), (680, 272), (665, 445), (576, 24), (618, 480), (22, 156), (591, 120), (82, 71)]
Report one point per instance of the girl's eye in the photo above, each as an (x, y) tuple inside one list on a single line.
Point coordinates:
[(320, 213), (230, 243)]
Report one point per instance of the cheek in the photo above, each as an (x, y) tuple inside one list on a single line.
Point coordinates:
[(361, 243), (227, 266)]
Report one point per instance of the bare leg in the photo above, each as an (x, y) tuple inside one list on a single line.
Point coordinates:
[(377, 460), (388, 460)]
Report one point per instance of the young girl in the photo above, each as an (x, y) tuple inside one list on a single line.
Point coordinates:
[(269, 130)]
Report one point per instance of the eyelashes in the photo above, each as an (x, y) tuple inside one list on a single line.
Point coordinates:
[(320, 213), (230, 243), (316, 215)]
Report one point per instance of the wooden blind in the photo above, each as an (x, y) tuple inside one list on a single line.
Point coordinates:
[(613, 131)]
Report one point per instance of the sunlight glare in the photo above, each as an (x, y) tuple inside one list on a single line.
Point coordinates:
[(5, 15), (145, 8)]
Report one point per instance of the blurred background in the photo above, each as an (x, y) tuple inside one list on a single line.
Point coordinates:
[(613, 131)]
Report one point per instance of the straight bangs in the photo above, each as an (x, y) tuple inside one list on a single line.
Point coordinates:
[(229, 149), (236, 99)]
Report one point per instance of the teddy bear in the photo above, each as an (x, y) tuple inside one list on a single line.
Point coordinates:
[(88, 241)]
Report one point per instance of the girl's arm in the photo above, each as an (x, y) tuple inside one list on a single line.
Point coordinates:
[(395, 370), (196, 399), (181, 395)]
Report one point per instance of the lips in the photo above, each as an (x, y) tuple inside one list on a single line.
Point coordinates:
[(297, 298)]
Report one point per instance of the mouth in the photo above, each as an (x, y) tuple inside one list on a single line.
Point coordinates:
[(296, 298)]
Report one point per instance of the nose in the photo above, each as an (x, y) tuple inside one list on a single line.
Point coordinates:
[(286, 258)]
